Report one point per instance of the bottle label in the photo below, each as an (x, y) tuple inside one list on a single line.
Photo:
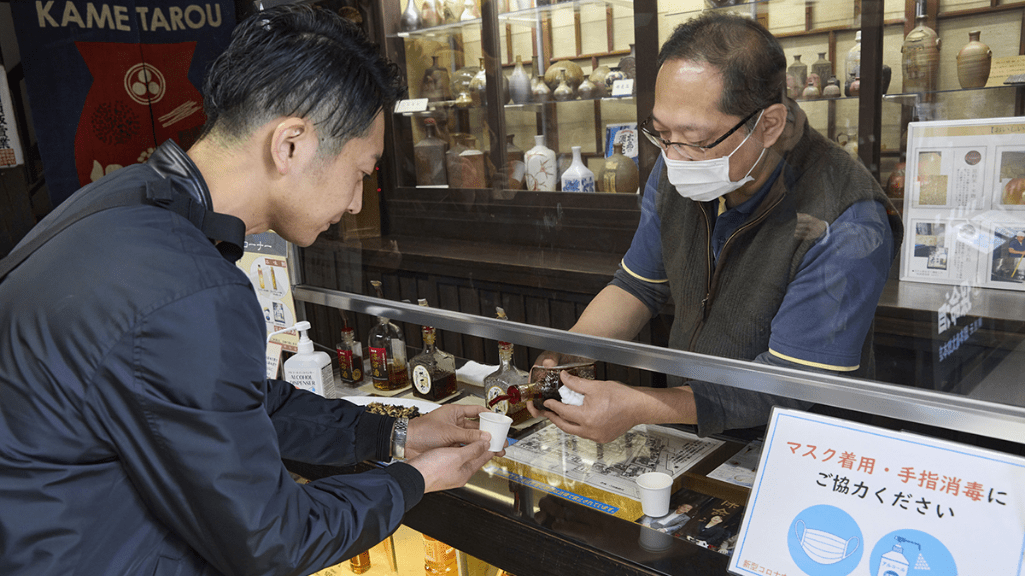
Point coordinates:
[(347, 365), (501, 407), (422, 379), (398, 349), (378, 363)]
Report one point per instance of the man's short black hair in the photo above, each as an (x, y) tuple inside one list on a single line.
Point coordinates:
[(748, 56), (297, 60)]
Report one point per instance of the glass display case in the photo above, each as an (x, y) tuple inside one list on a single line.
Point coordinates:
[(458, 217)]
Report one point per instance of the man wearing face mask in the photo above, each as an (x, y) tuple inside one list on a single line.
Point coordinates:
[(773, 242)]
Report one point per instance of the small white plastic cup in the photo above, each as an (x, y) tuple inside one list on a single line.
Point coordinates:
[(498, 426), (654, 540), (654, 489)]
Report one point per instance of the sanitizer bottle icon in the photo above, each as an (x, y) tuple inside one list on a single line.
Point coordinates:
[(893, 563)]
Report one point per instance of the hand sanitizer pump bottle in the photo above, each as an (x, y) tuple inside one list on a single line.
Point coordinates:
[(309, 370)]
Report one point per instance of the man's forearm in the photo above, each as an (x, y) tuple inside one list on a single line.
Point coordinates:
[(613, 313)]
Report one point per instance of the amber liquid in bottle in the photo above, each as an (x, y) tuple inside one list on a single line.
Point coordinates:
[(544, 384), (433, 371), (350, 358), (387, 350), (360, 564), (439, 558)]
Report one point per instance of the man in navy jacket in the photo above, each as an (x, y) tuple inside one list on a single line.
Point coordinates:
[(138, 431)]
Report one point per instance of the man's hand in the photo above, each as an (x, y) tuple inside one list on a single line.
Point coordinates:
[(444, 468), (604, 415), (450, 425)]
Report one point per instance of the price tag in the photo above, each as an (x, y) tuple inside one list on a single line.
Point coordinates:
[(411, 105), (273, 359), (622, 88)]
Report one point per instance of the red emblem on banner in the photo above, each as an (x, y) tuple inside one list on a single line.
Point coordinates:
[(140, 97)]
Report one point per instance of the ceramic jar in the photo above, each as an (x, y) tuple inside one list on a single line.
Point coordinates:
[(920, 60), (822, 69), (465, 163), (429, 155), (541, 167), (574, 74), (811, 91), (974, 62), (436, 84), (587, 90), (853, 60), (610, 79), (470, 11), (577, 178), (479, 86), (563, 91), (431, 13), (799, 71), (539, 90), (832, 88), (410, 19), (618, 174), (519, 83), (597, 77)]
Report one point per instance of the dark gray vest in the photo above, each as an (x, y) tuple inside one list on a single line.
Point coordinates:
[(728, 311)]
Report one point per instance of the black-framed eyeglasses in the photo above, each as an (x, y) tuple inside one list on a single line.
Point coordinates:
[(664, 144)]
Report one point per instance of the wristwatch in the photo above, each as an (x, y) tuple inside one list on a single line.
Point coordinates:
[(398, 438)]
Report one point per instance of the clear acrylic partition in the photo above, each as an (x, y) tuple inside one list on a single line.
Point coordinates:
[(542, 255)]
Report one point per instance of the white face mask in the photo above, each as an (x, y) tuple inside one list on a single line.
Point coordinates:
[(823, 547), (704, 180)]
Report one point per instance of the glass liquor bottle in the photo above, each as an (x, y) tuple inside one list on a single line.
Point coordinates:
[(350, 358), (433, 371), (544, 385), (499, 381), (387, 350), (439, 558)]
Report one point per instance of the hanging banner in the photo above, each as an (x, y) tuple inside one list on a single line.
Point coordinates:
[(838, 498), (108, 82)]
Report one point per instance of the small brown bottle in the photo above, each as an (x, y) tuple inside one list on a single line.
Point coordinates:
[(432, 371), (361, 563), (350, 358)]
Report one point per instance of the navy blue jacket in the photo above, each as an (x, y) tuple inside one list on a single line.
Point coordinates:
[(139, 434)]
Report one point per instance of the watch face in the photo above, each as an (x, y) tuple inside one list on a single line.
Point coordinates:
[(422, 379), (501, 407)]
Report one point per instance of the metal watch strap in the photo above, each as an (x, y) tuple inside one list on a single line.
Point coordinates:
[(398, 438)]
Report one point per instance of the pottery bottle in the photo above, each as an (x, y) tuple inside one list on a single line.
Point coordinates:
[(577, 178), (541, 168), (823, 69), (429, 155), (799, 71), (853, 61), (920, 55), (974, 62), (430, 14), (563, 91), (410, 19), (519, 83), (618, 174)]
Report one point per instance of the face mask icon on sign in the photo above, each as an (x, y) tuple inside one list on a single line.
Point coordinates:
[(824, 547)]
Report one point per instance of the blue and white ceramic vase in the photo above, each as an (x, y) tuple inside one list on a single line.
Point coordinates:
[(577, 178)]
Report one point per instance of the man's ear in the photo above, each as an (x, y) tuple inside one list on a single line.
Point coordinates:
[(293, 143), (774, 121)]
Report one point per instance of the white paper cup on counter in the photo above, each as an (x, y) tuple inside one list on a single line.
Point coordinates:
[(654, 489), (498, 426)]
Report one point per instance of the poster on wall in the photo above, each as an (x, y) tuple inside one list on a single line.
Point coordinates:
[(265, 262), (964, 203), (109, 82)]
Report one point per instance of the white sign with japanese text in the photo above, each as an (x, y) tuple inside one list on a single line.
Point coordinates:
[(833, 498)]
